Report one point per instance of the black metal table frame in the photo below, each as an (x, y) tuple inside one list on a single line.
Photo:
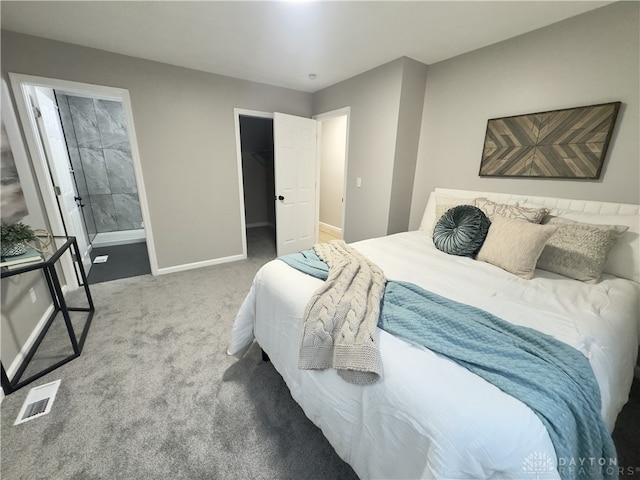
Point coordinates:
[(59, 306)]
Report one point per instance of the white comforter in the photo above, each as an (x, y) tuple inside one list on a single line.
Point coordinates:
[(428, 417)]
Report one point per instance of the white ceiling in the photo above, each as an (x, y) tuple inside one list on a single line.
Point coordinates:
[(281, 43)]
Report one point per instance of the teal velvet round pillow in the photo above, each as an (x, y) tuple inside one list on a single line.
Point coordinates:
[(461, 230)]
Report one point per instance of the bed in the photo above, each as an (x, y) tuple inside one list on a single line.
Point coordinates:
[(429, 417)]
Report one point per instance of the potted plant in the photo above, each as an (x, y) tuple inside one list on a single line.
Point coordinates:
[(13, 238)]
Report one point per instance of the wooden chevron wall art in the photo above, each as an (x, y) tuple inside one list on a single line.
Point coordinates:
[(569, 143)]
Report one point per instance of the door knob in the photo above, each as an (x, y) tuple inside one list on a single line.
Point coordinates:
[(280, 197)]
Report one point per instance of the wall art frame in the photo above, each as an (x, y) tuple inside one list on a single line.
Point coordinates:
[(570, 143)]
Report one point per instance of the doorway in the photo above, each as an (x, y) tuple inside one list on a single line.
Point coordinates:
[(98, 147), (332, 158), (101, 163), (258, 178), (293, 189)]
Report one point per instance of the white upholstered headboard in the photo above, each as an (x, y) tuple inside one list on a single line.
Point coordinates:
[(624, 259)]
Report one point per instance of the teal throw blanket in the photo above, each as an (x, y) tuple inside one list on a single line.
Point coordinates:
[(552, 378)]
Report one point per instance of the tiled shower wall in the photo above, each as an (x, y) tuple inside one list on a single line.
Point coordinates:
[(98, 144)]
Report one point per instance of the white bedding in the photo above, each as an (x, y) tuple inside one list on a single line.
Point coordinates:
[(429, 417)]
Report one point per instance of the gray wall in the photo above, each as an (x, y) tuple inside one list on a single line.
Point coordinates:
[(589, 59), (414, 79), (374, 98), (184, 124), (386, 107)]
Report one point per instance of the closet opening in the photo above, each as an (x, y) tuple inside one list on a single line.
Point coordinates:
[(258, 177)]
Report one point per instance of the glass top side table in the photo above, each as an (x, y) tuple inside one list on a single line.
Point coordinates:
[(48, 266)]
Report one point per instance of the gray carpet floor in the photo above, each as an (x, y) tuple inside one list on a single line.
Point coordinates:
[(154, 394)]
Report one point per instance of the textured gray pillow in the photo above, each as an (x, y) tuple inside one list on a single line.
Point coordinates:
[(579, 250), (515, 245)]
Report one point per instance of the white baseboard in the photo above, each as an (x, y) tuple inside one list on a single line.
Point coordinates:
[(205, 263), (330, 228)]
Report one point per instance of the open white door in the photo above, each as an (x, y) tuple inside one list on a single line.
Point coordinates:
[(294, 141), (55, 149)]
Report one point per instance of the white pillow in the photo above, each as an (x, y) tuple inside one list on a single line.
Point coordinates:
[(515, 245)]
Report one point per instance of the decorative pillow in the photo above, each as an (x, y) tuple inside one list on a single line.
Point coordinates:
[(490, 208), (515, 245), (622, 260), (579, 250), (461, 230)]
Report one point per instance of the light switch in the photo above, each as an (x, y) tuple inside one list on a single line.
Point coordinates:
[(358, 182)]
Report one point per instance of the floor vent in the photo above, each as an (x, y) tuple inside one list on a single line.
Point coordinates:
[(101, 259), (38, 402)]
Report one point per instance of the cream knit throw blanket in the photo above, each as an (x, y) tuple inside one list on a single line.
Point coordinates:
[(341, 317)]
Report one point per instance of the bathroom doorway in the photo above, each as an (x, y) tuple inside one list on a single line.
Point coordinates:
[(97, 142), (102, 163)]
